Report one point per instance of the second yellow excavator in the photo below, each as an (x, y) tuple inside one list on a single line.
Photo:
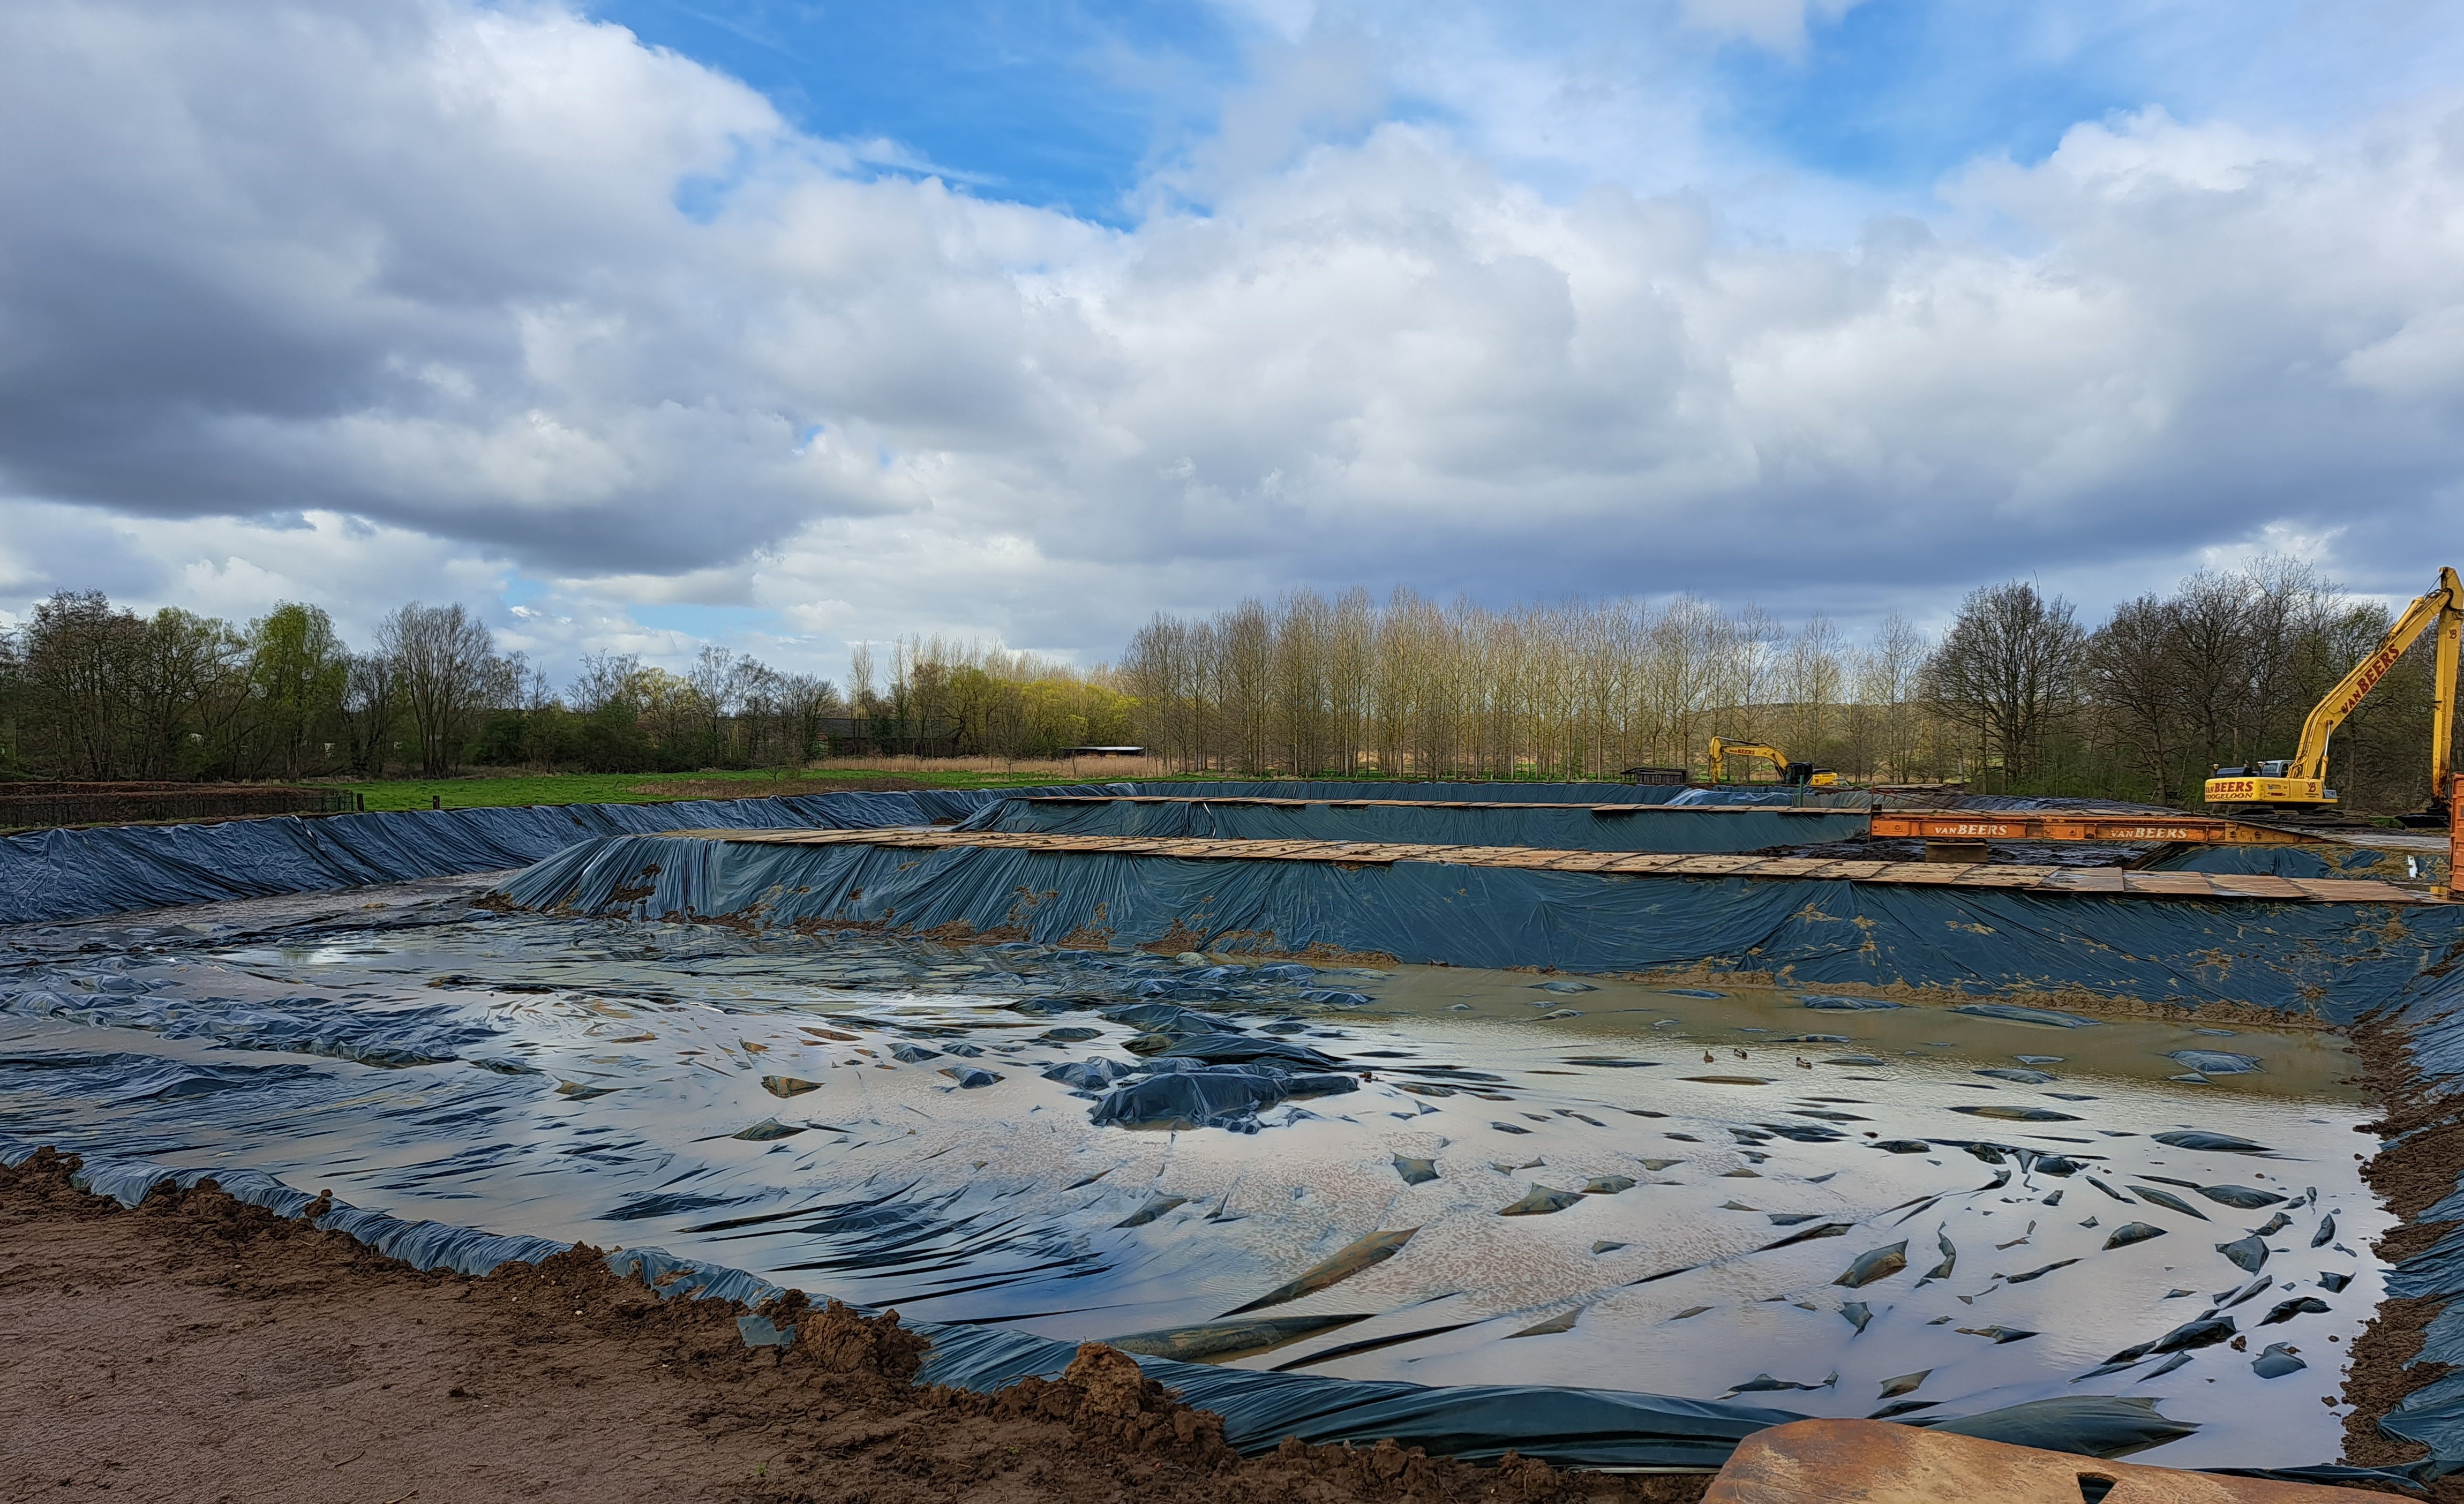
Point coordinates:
[(2299, 782), (1797, 775)]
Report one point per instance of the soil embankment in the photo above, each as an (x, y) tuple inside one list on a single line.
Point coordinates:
[(2426, 1133), (199, 1349)]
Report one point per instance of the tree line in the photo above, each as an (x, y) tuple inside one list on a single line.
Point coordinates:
[(91, 692), (2016, 695), (94, 693)]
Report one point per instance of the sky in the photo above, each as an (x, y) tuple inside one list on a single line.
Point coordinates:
[(795, 323)]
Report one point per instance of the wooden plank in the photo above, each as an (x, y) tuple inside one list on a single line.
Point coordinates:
[(1700, 867), (2047, 880), (2084, 879), (1350, 854), (1643, 862), (2179, 885), (1852, 871), (1789, 866), (2255, 885), (1721, 865), (1987, 875), (1918, 875), (1488, 855), (2351, 890), (1520, 860)]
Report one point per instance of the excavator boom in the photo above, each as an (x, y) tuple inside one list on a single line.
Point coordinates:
[(2303, 778), (1802, 774)]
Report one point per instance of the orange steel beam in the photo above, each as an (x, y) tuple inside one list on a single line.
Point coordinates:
[(2052, 824), (2454, 839)]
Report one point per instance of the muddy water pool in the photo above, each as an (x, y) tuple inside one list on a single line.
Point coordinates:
[(1812, 1203)]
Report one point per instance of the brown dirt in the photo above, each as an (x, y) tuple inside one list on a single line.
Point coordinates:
[(2411, 1176), (764, 788), (199, 1349)]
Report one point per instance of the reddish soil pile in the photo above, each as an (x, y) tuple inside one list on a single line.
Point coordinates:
[(198, 1349)]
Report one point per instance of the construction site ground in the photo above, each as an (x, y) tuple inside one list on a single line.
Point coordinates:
[(195, 1349)]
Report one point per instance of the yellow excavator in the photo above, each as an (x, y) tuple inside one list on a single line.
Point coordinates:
[(2299, 783), (1796, 775)]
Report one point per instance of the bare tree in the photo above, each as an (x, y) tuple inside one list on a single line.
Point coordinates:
[(1887, 697), (446, 671), (12, 704), (371, 711), (2136, 681), (1302, 645), (77, 656), (1811, 681), (2009, 671), (807, 705), (606, 679), (1683, 674)]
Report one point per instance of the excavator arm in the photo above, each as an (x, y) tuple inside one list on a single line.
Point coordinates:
[(1799, 773), (1722, 751), (2303, 779)]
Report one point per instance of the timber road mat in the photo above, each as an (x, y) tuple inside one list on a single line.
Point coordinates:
[(1975, 877)]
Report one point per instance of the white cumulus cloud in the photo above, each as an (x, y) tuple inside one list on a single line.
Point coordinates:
[(352, 303)]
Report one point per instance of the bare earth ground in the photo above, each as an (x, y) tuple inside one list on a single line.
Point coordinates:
[(197, 1349), (2416, 1174)]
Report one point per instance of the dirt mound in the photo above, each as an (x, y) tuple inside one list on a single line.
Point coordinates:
[(2418, 1169), (203, 1349)]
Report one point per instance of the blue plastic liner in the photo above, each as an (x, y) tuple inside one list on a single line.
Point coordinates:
[(422, 1244), (2308, 861), (2331, 962), (1580, 1428), (1577, 1427), (48, 875), (1569, 1427)]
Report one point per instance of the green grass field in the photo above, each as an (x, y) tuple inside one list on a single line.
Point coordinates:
[(637, 788), (496, 790)]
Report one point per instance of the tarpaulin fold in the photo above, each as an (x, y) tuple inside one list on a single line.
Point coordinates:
[(2330, 961)]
